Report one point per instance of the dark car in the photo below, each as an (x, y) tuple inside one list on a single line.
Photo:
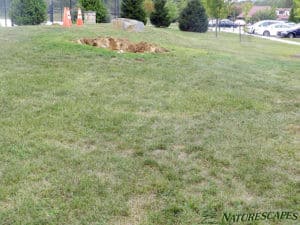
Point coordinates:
[(227, 23), (222, 23), (290, 33)]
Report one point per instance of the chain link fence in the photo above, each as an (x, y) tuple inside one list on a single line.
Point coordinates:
[(4, 13), (55, 9)]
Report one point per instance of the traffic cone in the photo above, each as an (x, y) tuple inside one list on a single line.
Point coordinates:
[(67, 18), (79, 18)]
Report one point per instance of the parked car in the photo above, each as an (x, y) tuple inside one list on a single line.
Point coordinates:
[(222, 23), (290, 23), (272, 29), (240, 22), (261, 25), (227, 23), (212, 23), (293, 32)]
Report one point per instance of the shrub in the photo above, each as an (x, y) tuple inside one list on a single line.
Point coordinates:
[(160, 16), (98, 6), (193, 17), (133, 9), (28, 12)]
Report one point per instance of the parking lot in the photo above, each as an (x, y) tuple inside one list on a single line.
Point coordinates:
[(238, 31)]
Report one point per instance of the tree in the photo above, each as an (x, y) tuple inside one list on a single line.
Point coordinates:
[(215, 10), (193, 17), (98, 6), (295, 12), (160, 16), (268, 14), (246, 9), (149, 7), (28, 12), (133, 9), (275, 3), (173, 10)]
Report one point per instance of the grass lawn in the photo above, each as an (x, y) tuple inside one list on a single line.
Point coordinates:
[(295, 39), (90, 136)]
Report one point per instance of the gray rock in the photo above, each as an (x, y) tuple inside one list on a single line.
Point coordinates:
[(128, 24)]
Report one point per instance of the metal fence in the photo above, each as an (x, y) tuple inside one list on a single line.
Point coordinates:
[(55, 9), (4, 12)]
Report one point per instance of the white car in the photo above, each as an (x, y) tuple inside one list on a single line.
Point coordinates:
[(240, 22), (273, 29), (261, 25)]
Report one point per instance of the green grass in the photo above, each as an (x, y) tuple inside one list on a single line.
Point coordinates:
[(90, 136)]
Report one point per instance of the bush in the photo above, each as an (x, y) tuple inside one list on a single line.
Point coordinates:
[(98, 6), (133, 9), (28, 12), (160, 16), (193, 17)]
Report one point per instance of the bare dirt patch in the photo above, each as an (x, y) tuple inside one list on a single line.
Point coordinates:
[(122, 45)]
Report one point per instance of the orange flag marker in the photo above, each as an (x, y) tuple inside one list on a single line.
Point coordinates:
[(79, 18)]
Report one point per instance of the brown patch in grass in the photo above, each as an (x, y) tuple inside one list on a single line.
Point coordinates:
[(293, 128), (122, 45), (137, 210)]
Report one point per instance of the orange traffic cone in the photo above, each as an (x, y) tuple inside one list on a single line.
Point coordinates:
[(67, 18), (79, 18)]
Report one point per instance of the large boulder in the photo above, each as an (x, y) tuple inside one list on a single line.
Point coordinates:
[(128, 24)]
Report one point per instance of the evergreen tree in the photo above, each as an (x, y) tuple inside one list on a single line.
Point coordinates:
[(98, 6), (28, 12), (133, 9), (160, 16), (193, 17)]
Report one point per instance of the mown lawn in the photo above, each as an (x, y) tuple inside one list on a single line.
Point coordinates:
[(90, 136)]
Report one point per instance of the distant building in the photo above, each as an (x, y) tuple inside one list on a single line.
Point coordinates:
[(283, 13)]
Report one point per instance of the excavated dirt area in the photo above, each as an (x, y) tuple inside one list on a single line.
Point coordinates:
[(122, 45)]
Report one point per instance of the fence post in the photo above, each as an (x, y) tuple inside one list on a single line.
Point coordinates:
[(51, 11)]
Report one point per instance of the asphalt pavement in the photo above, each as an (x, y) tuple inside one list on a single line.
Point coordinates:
[(282, 40)]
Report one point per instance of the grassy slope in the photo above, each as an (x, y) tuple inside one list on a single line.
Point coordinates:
[(90, 136)]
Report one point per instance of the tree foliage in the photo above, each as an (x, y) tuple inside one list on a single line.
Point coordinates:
[(98, 6), (268, 14), (246, 9), (295, 12), (160, 16), (214, 8), (133, 9), (193, 17), (149, 7), (275, 3), (173, 10), (28, 12)]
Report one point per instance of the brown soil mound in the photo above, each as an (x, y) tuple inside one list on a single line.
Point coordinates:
[(122, 45)]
